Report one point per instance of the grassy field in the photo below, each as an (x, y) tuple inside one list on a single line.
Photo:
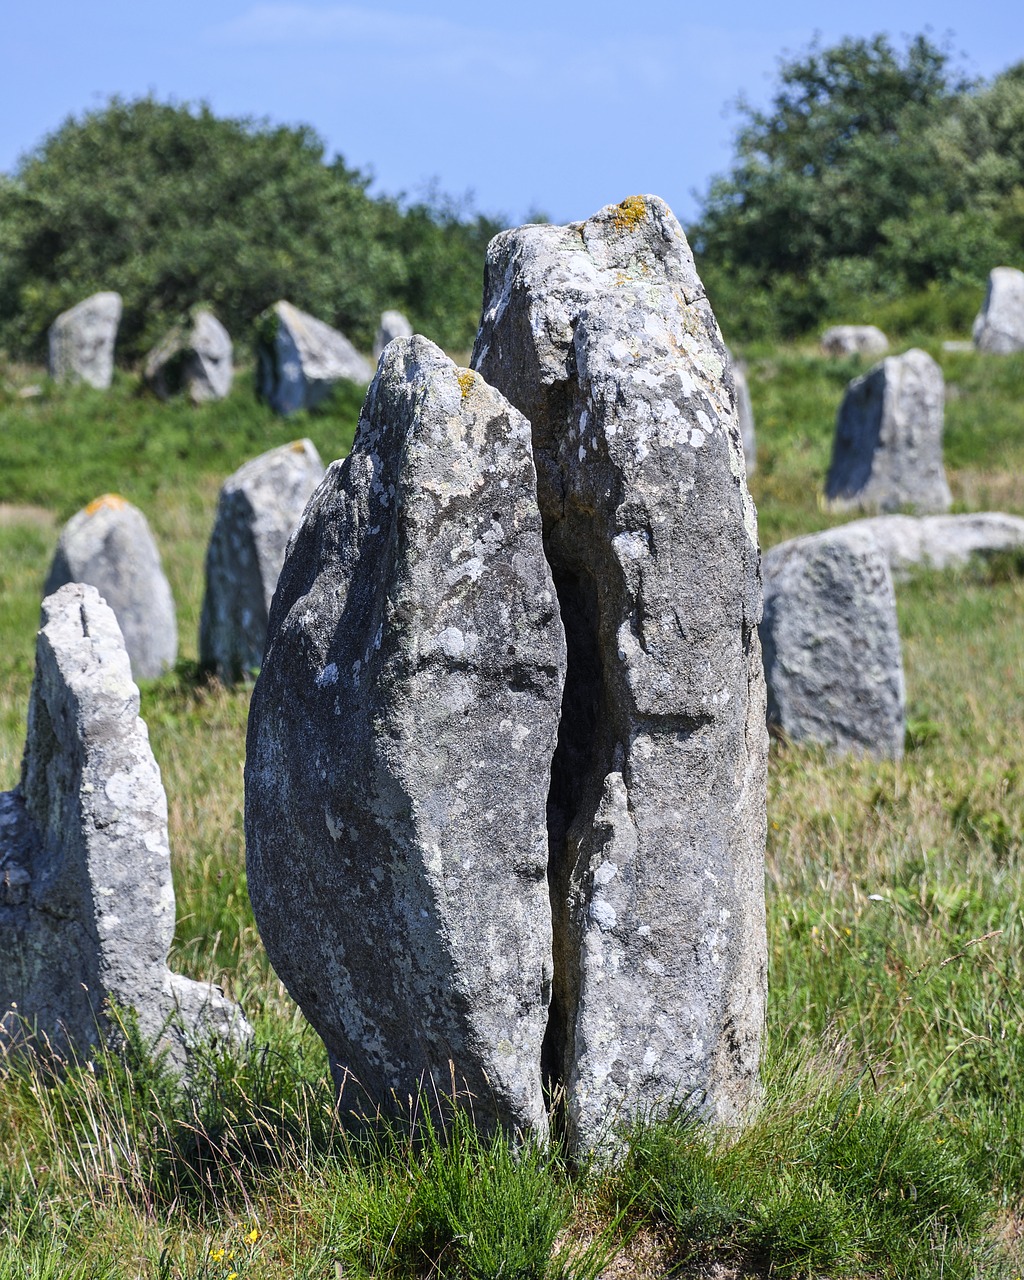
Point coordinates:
[(891, 1140)]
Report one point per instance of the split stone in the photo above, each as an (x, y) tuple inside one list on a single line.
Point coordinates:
[(887, 451), (108, 544), (195, 358), (82, 341), (392, 325), (299, 359), (942, 542), (399, 746), (854, 340), (999, 326), (601, 334), (257, 512), (86, 899), (831, 644)]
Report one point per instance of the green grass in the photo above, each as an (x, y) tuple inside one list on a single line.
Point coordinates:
[(891, 1139)]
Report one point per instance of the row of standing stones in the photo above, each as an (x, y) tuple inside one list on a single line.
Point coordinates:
[(505, 767)]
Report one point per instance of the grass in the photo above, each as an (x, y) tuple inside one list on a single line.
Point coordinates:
[(891, 1139)]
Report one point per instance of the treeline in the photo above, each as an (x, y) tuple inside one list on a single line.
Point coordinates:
[(171, 205), (879, 181)]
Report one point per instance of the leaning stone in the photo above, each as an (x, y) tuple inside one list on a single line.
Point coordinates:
[(194, 359), (854, 340), (299, 359), (831, 644), (108, 545), (86, 899), (82, 341), (392, 325), (399, 746), (887, 451), (999, 325), (942, 542), (257, 512), (601, 333), (745, 414)]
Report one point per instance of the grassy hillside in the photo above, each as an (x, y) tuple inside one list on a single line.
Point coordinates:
[(891, 1142)]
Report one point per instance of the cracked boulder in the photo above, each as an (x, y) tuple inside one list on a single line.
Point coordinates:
[(194, 359), (82, 341), (887, 451), (299, 359), (601, 334), (257, 512), (86, 900), (108, 544), (399, 748)]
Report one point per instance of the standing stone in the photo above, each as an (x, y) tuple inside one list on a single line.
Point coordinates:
[(195, 358), (82, 341), (854, 340), (299, 359), (887, 451), (831, 644), (392, 325), (399, 745), (86, 899), (601, 333), (108, 544), (257, 512), (745, 414), (999, 325)]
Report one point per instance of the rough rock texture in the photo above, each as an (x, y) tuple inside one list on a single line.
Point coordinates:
[(745, 415), (600, 332), (854, 340), (999, 325), (942, 542), (887, 451), (82, 341), (831, 646), (108, 544), (299, 359), (399, 746), (195, 359), (86, 900), (257, 512), (392, 325)]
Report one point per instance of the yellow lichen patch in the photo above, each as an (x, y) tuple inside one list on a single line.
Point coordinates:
[(298, 446), (112, 500), (630, 212), (466, 379)]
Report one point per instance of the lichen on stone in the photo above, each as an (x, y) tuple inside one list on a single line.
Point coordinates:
[(629, 213)]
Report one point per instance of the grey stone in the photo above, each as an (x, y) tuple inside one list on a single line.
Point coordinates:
[(399, 744), (887, 451), (257, 512), (854, 340), (831, 644), (299, 359), (82, 341), (86, 899), (941, 542), (955, 345), (999, 325), (601, 333), (108, 545), (194, 359), (745, 414), (392, 325)]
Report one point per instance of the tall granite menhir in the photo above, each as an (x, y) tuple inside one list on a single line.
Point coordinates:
[(601, 334), (399, 746)]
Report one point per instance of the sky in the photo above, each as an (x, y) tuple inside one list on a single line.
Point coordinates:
[(559, 107)]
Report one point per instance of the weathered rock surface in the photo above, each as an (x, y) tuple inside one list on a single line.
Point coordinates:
[(941, 542), (86, 900), (398, 753), (854, 340), (299, 359), (999, 325), (258, 510), (745, 415), (82, 341), (108, 544), (832, 654), (392, 325), (195, 359), (600, 332), (887, 451)]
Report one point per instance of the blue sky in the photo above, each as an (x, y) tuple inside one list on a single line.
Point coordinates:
[(545, 105)]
